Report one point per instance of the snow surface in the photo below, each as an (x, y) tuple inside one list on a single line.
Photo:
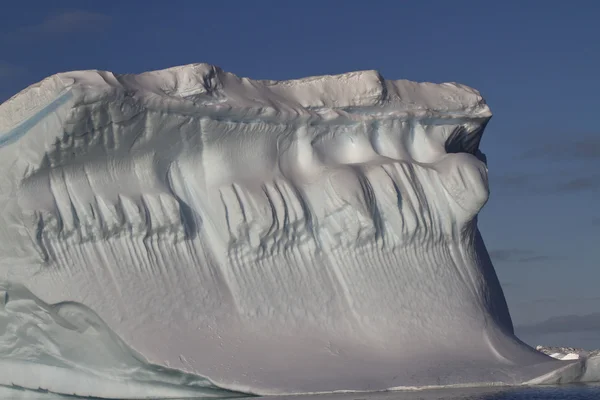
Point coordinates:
[(567, 353), (186, 230)]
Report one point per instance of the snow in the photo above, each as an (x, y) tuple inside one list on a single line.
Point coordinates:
[(210, 232), (66, 348), (567, 353)]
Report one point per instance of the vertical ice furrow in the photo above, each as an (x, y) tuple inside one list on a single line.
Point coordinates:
[(295, 272), (80, 194), (310, 224), (297, 215), (395, 217), (153, 245), (39, 236), (237, 192), (110, 218), (250, 226), (57, 252), (195, 253), (445, 208), (163, 216), (389, 270), (340, 264), (63, 204), (389, 273), (203, 204), (64, 149), (111, 255), (412, 221), (266, 236), (132, 215), (197, 264), (153, 254), (418, 200), (348, 208), (147, 206), (146, 215), (294, 219), (336, 301), (240, 226), (146, 254), (133, 250), (180, 272), (422, 208), (370, 203), (367, 278), (79, 257), (423, 175), (168, 272), (142, 130), (286, 230), (214, 260), (269, 279), (446, 225), (235, 216), (167, 215), (433, 208), (278, 234), (140, 246), (108, 135), (232, 235), (189, 217), (108, 265), (230, 272), (388, 202), (236, 281), (330, 305), (150, 252), (57, 256), (171, 209)]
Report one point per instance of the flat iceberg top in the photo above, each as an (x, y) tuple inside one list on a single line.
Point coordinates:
[(206, 89)]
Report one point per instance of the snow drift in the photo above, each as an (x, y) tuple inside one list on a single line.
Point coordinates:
[(272, 237)]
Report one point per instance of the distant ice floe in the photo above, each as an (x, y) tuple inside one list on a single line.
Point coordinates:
[(567, 353)]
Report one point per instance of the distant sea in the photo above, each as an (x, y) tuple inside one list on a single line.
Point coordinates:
[(562, 392)]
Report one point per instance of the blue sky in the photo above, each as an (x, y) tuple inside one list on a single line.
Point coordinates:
[(536, 62)]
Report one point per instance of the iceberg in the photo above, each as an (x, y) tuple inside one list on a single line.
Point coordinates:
[(188, 232)]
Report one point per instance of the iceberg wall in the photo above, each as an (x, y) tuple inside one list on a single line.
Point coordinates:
[(275, 237)]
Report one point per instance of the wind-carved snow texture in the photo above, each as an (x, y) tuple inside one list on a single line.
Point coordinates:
[(67, 348), (283, 237)]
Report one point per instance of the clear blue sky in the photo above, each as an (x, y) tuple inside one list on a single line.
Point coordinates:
[(536, 62)]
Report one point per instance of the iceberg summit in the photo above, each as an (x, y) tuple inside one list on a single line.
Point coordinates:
[(187, 232)]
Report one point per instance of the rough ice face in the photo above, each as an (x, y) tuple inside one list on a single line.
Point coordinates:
[(275, 237)]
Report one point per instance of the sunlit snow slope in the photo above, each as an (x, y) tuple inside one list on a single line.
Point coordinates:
[(274, 237)]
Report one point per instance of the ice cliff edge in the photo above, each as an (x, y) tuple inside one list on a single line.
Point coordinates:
[(273, 236)]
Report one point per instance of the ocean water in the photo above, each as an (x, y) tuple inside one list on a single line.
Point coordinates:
[(562, 392)]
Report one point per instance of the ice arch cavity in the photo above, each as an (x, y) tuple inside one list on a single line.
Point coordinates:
[(274, 236)]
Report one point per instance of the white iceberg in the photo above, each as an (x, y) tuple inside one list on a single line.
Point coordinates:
[(186, 231)]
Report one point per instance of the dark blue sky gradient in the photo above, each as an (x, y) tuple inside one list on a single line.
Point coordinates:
[(536, 62)]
